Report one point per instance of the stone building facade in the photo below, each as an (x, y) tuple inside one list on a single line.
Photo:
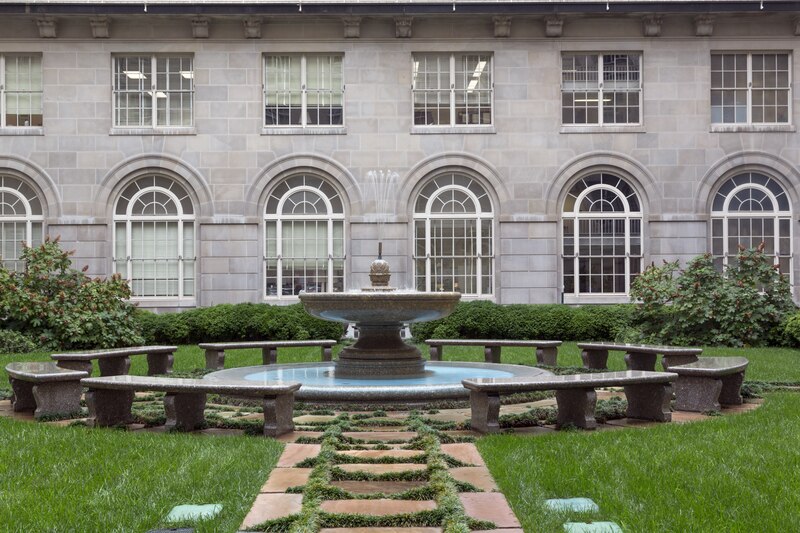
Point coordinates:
[(524, 153)]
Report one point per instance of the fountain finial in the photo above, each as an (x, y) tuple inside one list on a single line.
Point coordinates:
[(379, 273)]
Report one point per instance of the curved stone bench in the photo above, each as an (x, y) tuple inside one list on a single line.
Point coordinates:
[(705, 384), (648, 395), (637, 356), (116, 361), (546, 351), (45, 389), (110, 399), (215, 351)]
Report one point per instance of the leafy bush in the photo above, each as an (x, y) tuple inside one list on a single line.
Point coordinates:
[(791, 330), (15, 342), (62, 308), (699, 305)]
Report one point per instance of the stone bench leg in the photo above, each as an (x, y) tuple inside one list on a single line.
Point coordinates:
[(547, 356), (595, 358), (697, 394), (649, 401), (674, 360), (491, 354), (160, 363), (185, 411), (576, 408), (57, 398), (436, 353), (109, 407), (215, 359), (731, 393), (114, 366), (641, 361), (485, 409), (327, 353), (278, 415), (269, 355), (85, 366), (23, 399)]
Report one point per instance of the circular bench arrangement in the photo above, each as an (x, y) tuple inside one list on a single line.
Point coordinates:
[(45, 388), (705, 384)]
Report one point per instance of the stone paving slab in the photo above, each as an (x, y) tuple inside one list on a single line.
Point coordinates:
[(682, 417), (382, 468), (381, 530), (294, 453), (463, 433), (500, 530), (376, 454), (466, 452), (271, 506), (281, 479), (491, 506), (592, 527), (294, 435), (380, 507), (476, 475), (308, 419), (630, 423), (380, 435), (371, 487)]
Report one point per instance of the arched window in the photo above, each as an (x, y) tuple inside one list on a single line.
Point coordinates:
[(748, 209), (304, 237), (453, 236), (602, 247), (154, 241), (21, 220)]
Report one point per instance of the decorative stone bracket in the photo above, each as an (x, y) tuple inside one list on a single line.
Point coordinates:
[(200, 28), (403, 27), (502, 26), (651, 26), (47, 27), (100, 27), (553, 26), (352, 27), (252, 27), (704, 26)]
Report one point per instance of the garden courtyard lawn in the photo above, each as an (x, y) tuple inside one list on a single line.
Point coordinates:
[(733, 473)]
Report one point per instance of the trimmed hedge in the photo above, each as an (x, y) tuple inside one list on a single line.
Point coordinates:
[(236, 322), (15, 342), (487, 320)]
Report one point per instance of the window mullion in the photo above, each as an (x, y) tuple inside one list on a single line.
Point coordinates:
[(600, 89), (452, 89), (3, 106), (750, 89), (153, 92), (303, 92), (329, 250), (428, 269), (180, 258)]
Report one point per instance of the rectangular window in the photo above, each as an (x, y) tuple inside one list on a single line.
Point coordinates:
[(452, 89), (303, 90), (153, 91), (750, 88), (601, 89), (20, 90)]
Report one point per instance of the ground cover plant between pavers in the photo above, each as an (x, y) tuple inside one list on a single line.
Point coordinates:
[(732, 473), (74, 479)]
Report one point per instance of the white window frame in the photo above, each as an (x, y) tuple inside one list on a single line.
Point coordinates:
[(601, 90), (329, 218), (153, 92), (776, 214), (749, 92), (576, 216), (129, 218), (479, 216), (28, 218), (452, 91), (303, 90), (4, 93)]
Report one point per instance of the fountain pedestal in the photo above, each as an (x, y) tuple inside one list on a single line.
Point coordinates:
[(379, 352)]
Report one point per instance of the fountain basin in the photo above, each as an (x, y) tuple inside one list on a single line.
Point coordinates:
[(440, 380), (380, 307)]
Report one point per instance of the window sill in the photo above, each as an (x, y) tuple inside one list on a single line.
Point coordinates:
[(752, 128), (447, 130), (177, 303), (22, 131), (587, 128), (574, 299), (153, 131), (297, 130)]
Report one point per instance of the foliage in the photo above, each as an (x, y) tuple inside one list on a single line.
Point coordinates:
[(15, 342), (700, 305), (62, 308), (487, 320), (791, 330)]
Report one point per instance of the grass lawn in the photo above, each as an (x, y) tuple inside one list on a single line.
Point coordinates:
[(732, 474)]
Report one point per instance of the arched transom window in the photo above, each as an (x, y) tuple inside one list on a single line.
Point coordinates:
[(453, 236), (602, 228), (21, 220), (154, 238), (304, 237), (748, 209)]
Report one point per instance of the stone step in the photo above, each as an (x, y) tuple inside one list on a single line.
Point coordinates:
[(377, 454), (380, 507), (382, 468), (466, 452), (381, 435), (271, 506), (371, 487), (490, 506), (478, 476), (294, 435), (294, 453), (281, 479)]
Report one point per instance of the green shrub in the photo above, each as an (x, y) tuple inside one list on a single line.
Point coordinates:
[(62, 308), (15, 342), (791, 330)]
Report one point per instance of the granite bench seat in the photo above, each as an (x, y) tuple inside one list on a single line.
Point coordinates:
[(109, 400), (705, 384), (546, 351), (648, 395), (215, 351), (637, 356), (45, 388), (116, 361)]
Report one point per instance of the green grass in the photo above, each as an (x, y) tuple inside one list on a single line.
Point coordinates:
[(74, 479), (732, 474)]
